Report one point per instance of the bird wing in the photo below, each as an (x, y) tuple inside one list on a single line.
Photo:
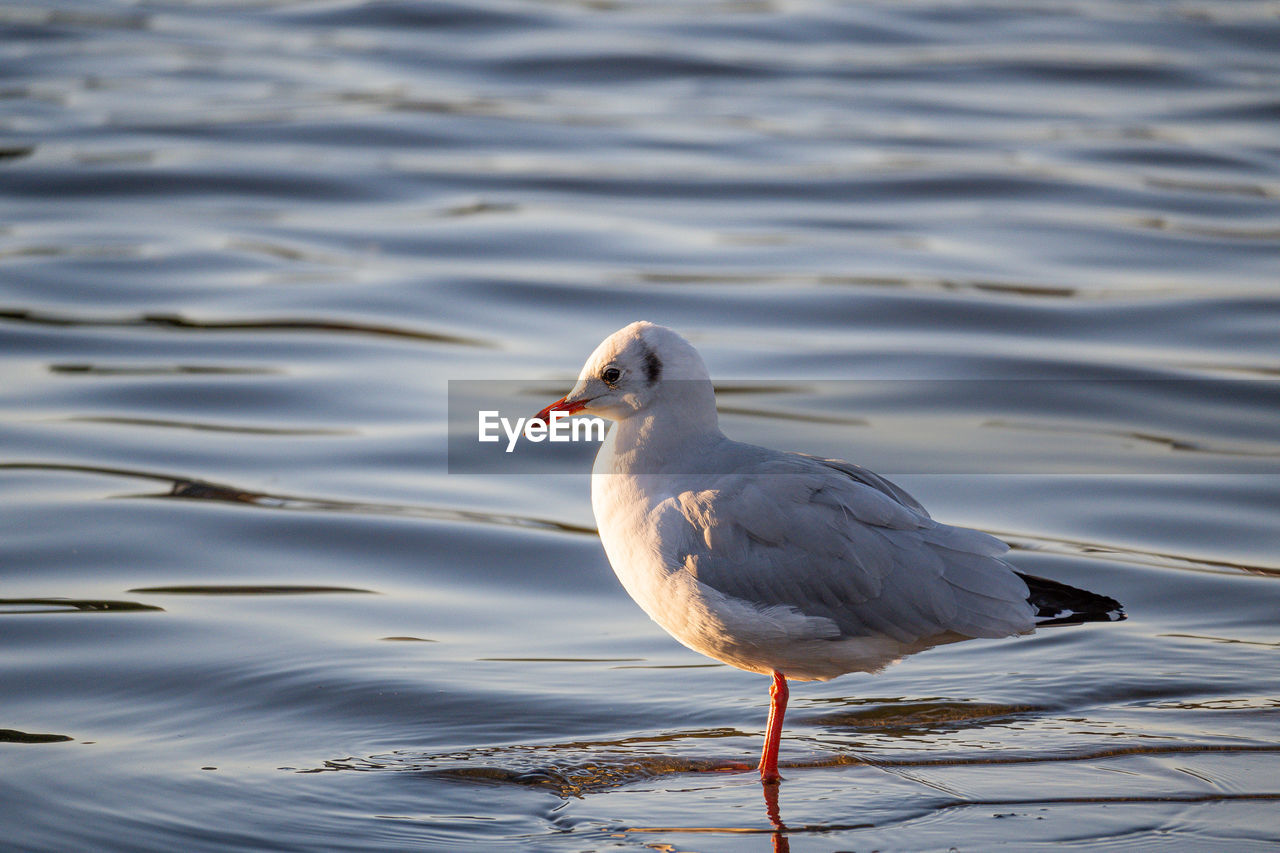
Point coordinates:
[(835, 541)]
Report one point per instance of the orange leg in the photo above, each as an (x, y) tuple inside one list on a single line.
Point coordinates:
[(773, 736)]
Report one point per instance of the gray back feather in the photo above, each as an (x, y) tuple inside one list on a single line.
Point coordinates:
[(836, 541)]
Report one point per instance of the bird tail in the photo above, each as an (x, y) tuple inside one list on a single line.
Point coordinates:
[(1059, 604)]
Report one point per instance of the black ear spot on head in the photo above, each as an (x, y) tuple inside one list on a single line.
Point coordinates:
[(652, 366)]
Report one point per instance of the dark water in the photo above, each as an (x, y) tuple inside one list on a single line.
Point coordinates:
[(244, 247)]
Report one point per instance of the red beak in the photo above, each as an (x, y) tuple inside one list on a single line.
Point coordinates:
[(558, 406)]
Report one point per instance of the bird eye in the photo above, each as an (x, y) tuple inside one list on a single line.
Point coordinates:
[(611, 375)]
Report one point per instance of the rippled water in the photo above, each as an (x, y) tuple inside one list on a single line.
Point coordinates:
[(246, 246)]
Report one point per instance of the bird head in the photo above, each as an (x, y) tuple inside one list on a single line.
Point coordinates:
[(640, 368)]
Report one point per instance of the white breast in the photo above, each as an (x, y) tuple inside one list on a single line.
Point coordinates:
[(731, 630)]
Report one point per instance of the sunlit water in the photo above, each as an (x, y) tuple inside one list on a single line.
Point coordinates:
[(244, 248)]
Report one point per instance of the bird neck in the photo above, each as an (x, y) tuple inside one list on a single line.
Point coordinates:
[(666, 437)]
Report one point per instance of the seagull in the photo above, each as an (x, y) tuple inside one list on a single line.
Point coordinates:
[(775, 562)]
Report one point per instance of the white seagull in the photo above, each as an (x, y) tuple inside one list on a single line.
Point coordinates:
[(775, 562)]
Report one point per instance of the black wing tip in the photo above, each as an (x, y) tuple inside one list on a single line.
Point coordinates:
[(1073, 618), (1057, 603)]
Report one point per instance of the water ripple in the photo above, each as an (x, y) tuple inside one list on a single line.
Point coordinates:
[(249, 244), (177, 321)]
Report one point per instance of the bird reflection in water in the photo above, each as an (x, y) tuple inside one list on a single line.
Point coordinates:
[(780, 842)]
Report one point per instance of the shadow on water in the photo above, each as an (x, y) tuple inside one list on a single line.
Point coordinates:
[(582, 769), (566, 771), (919, 717), (572, 769)]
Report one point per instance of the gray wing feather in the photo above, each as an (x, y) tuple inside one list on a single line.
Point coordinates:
[(872, 479), (833, 540)]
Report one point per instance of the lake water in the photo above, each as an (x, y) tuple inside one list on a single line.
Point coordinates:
[(1024, 258)]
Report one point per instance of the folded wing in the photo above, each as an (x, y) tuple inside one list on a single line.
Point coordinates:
[(834, 542)]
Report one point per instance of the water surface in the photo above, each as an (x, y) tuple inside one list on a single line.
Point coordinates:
[(244, 604)]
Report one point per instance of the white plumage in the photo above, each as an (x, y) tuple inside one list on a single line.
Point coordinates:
[(770, 561)]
